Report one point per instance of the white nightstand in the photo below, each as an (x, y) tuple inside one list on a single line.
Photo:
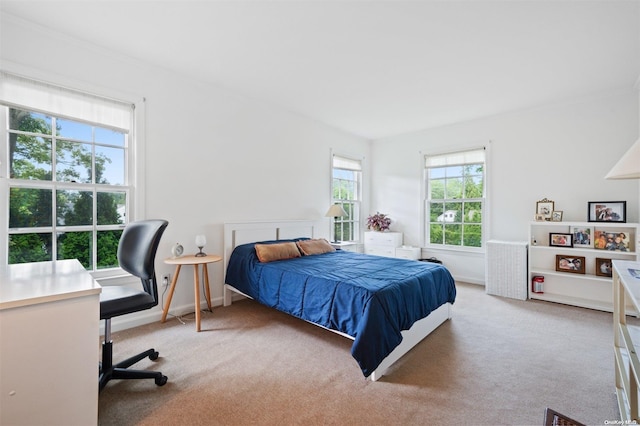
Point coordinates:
[(407, 252), (346, 246)]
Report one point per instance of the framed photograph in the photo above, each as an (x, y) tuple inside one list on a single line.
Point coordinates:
[(607, 211), (544, 207), (603, 267), (582, 236), (557, 239), (572, 264), (556, 216), (539, 218), (611, 240)]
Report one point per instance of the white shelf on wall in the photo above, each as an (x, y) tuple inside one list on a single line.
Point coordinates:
[(587, 290)]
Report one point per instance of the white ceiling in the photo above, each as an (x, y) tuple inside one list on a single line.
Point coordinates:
[(371, 68)]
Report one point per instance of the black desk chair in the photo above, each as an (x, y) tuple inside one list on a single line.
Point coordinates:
[(136, 255)]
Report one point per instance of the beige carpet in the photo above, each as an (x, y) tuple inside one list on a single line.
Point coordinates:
[(499, 361)]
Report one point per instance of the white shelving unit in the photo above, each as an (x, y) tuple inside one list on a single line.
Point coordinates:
[(586, 290)]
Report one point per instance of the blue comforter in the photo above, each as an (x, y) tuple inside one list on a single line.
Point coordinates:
[(370, 298)]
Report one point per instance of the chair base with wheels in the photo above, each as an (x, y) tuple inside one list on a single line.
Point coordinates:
[(136, 255), (121, 370)]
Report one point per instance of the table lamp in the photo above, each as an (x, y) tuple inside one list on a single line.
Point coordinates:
[(201, 241), (335, 211)]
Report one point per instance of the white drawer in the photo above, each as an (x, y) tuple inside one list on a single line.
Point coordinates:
[(380, 250), (391, 239), (412, 253)]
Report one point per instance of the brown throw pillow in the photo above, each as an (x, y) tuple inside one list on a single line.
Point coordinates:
[(277, 251), (317, 246)]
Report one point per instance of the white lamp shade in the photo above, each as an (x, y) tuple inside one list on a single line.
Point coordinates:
[(628, 167), (201, 240), (336, 210)]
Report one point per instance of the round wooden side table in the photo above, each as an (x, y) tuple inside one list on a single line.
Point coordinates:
[(196, 261)]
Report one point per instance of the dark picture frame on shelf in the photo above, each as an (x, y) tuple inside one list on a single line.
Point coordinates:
[(604, 268), (571, 264), (559, 239), (607, 211)]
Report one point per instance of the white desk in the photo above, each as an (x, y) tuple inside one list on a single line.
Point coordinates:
[(626, 339), (49, 349)]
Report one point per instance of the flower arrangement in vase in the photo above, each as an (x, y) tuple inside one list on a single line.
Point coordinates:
[(378, 222)]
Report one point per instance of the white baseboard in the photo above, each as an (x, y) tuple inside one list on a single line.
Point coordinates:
[(154, 315), (469, 280)]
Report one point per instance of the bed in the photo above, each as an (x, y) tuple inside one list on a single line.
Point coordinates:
[(385, 305)]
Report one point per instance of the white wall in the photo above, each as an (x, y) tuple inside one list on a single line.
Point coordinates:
[(561, 152), (214, 156), (211, 155)]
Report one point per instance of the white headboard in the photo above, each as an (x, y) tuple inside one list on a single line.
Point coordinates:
[(236, 233)]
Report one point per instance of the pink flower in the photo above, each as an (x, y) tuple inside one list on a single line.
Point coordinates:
[(378, 222)]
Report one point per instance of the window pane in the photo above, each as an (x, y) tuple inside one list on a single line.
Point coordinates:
[(472, 212), (436, 189), (436, 210), (109, 137), (73, 162), (472, 235), (453, 235), (111, 208), (30, 157), (75, 245), (74, 208), (452, 212), (473, 187), (109, 165), (74, 130), (436, 173), (436, 235), (29, 248), (454, 188), (28, 121), (108, 248), (30, 207)]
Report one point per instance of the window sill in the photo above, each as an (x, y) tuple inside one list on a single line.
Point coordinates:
[(479, 251)]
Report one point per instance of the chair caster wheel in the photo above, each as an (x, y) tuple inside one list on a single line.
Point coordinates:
[(154, 356), (162, 380)]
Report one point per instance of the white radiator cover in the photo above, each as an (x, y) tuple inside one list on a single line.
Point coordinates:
[(506, 269)]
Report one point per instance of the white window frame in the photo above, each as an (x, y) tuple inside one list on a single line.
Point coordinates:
[(426, 194), (345, 162), (134, 163)]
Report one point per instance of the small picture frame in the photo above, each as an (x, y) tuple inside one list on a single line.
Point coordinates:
[(582, 236), (556, 216), (571, 264), (603, 267), (557, 239), (607, 211), (544, 207), (539, 218)]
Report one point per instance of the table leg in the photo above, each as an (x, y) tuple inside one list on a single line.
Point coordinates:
[(196, 290), (207, 292), (165, 311)]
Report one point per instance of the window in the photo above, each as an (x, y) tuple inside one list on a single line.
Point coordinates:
[(455, 198), (346, 189), (65, 163)]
